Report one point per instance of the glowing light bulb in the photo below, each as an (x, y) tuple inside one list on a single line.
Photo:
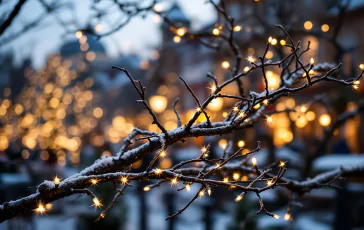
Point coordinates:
[(282, 164), (213, 88), (174, 181), (209, 191), (241, 144), (188, 187), (56, 180), (275, 216), (250, 59), (201, 193), (238, 198), (361, 66), (163, 153), (265, 102), (146, 188), (94, 182), (97, 202), (226, 180), (78, 34), (235, 109), (303, 109), (40, 209), (356, 82), (308, 25), (325, 28), (158, 171), (181, 31), (216, 32), (270, 40), (241, 114), (282, 42), (236, 176), (312, 61), (325, 120), (218, 165), (269, 182), (287, 216), (254, 161), (237, 28), (203, 149), (124, 180), (198, 109), (177, 39), (269, 119), (274, 42), (225, 64)]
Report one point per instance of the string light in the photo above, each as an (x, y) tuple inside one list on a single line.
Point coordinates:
[(97, 202), (213, 88), (198, 109), (218, 165), (254, 161), (274, 42), (269, 183), (312, 61), (265, 102), (235, 109), (124, 180), (246, 69), (237, 28), (282, 164), (181, 31), (241, 144), (40, 209), (209, 191), (226, 179), (241, 114), (361, 66), (287, 216), (203, 149), (216, 32), (269, 119), (174, 181), (225, 64), (94, 182), (163, 153), (238, 198), (325, 120), (250, 59), (146, 188), (355, 87), (201, 194), (303, 109), (270, 40), (275, 216), (56, 180), (282, 42), (188, 187), (236, 176), (158, 171), (177, 39)]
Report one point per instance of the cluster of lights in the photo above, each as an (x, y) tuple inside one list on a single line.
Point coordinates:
[(356, 84), (272, 41)]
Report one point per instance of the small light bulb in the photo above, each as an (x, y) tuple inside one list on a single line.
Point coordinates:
[(163, 153), (287, 216), (158, 171), (201, 193), (250, 59), (40, 209), (237, 28), (146, 188), (269, 119), (226, 179), (312, 61), (213, 88), (56, 180), (188, 187), (203, 149), (275, 216), (236, 176), (270, 40), (94, 182), (235, 109), (174, 181), (265, 102), (241, 114), (241, 144), (225, 64), (303, 109), (97, 202), (282, 164), (269, 182), (238, 198), (254, 161), (209, 191), (216, 32), (124, 180)]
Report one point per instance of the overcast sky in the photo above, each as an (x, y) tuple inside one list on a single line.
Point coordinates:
[(139, 36)]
